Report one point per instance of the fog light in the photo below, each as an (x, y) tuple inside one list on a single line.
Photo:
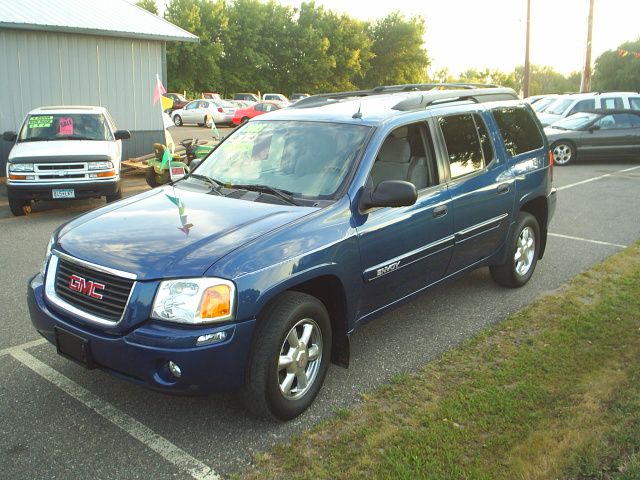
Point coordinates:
[(211, 338), (174, 369)]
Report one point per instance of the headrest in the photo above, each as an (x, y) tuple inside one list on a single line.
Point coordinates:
[(395, 150)]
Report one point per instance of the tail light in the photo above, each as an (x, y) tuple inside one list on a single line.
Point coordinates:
[(551, 164), (220, 110)]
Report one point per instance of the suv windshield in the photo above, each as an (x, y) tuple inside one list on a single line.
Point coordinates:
[(576, 121), (558, 107), (307, 159), (65, 126)]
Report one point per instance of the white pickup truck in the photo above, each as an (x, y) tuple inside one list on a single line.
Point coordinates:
[(63, 153)]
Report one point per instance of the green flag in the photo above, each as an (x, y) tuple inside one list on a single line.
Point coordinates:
[(214, 129), (166, 159)]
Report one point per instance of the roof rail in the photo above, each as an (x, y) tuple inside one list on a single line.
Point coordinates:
[(326, 98), (479, 95)]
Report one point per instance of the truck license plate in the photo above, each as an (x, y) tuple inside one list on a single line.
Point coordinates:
[(63, 193)]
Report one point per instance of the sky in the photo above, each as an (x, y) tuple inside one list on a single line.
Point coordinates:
[(463, 34)]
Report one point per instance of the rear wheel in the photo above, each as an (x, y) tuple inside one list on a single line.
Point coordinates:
[(208, 122), (563, 153), (177, 121), (290, 359), (18, 206), (523, 253)]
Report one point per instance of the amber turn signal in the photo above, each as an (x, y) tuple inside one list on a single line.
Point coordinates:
[(216, 302)]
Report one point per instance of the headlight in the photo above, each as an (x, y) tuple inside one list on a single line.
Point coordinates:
[(194, 301), (21, 167), (47, 256), (100, 165)]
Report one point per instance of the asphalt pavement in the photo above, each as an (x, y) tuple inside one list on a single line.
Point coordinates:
[(58, 420)]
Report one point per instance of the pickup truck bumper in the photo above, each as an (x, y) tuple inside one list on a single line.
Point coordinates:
[(142, 355), (35, 191)]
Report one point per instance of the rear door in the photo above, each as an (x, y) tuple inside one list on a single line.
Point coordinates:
[(480, 185)]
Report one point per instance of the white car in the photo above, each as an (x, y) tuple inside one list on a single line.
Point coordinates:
[(203, 113), (566, 105), (62, 153), (276, 97)]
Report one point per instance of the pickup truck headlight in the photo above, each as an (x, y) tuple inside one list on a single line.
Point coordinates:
[(47, 256), (21, 167), (100, 165), (194, 301)]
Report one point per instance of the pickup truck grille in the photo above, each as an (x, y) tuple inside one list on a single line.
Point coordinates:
[(115, 293)]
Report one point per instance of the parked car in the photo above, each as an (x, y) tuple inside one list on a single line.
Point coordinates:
[(244, 114), (211, 96), (203, 113), (301, 226), (241, 103), (298, 96), (179, 101), (541, 104), (62, 153), (605, 134), (276, 97), (246, 96), (566, 105)]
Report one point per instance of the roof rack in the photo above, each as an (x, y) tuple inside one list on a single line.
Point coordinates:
[(437, 93)]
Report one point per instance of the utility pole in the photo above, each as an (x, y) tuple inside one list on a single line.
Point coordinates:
[(585, 84), (527, 66)]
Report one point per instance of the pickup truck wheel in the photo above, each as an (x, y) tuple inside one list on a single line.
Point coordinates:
[(290, 357), (563, 153), (523, 253), (19, 207), (177, 121), (115, 196)]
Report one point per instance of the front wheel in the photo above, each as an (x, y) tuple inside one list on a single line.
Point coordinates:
[(563, 153), (208, 122), (19, 207), (523, 253), (116, 196), (290, 357), (177, 121)]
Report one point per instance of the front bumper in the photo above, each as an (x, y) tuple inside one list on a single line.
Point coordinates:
[(140, 355), (34, 191)]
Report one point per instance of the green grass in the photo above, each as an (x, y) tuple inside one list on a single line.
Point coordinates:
[(551, 392)]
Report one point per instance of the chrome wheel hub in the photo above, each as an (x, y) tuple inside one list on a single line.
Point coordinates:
[(562, 154), (525, 250), (299, 359)]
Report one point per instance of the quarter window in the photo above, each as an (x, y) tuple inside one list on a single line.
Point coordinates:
[(634, 103), (463, 144), (518, 129), (612, 102)]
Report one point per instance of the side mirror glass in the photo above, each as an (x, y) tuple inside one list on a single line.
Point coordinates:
[(122, 134), (9, 136), (593, 128), (195, 163), (390, 193)]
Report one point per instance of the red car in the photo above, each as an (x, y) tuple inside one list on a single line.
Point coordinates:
[(179, 101), (244, 114)]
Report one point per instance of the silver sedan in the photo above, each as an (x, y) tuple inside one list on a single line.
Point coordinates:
[(204, 113)]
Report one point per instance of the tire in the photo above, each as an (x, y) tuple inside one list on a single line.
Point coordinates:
[(564, 152), (272, 388), (208, 122), (116, 196), (177, 120), (524, 248), (19, 207), (153, 179)]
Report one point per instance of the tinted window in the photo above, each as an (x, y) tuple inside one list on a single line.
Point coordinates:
[(611, 102), (519, 131), (485, 140), (191, 106), (463, 144), (608, 122), (634, 103), (583, 106)]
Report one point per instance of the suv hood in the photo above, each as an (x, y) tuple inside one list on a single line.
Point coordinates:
[(82, 150), (170, 231)]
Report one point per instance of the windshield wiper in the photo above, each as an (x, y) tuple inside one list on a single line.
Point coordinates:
[(282, 194), (558, 127), (215, 185), (34, 139)]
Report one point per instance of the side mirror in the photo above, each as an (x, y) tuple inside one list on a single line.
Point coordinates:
[(195, 163), (122, 134), (9, 136), (390, 193), (593, 128)]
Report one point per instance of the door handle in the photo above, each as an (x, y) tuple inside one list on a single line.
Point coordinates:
[(503, 188), (440, 211)]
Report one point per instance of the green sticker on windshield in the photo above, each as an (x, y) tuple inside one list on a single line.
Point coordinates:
[(40, 121)]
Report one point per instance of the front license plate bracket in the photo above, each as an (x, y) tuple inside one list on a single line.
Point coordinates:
[(73, 347)]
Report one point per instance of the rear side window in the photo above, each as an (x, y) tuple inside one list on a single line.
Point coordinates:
[(519, 131), (634, 103), (612, 102), (463, 144)]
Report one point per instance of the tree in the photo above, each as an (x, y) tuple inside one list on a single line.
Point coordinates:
[(398, 52), (613, 72), (148, 5), (544, 79)]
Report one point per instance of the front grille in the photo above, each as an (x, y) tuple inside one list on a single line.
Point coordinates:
[(114, 296), (61, 177), (76, 166)]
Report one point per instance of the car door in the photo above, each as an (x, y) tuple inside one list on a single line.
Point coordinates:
[(405, 249), (190, 112), (480, 185), (609, 137)]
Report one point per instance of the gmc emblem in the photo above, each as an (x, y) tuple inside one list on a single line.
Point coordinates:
[(86, 287)]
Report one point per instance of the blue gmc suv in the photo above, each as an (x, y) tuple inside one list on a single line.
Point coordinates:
[(303, 224)]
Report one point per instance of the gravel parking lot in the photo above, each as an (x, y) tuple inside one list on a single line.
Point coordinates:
[(61, 421)]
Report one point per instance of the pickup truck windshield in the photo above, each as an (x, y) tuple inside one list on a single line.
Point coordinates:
[(307, 159), (65, 126)]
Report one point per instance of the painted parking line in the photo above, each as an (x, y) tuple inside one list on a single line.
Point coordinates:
[(588, 180), (33, 343), (588, 240), (174, 454)]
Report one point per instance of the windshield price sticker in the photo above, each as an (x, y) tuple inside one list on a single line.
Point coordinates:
[(65, 126), (40, 121)]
